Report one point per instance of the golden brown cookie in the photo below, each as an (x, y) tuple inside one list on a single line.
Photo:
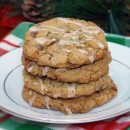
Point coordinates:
[(84, 74), (65, 43), (69, 106), (56, 89)]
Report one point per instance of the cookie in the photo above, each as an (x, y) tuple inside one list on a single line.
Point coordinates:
[(56, 89), (69, 106), (65, 43), (84, 74)]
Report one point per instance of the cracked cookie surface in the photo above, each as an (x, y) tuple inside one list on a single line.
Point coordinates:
[(56, 89), (65, 43), (84, 74), (69, 106)]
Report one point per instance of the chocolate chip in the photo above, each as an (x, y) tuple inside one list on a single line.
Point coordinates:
[(33, 34), (114, 89), (49, 57)]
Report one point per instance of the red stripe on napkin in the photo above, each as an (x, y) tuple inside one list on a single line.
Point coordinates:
[(111, 123), (4, 118), (2, 51), (3, 40)]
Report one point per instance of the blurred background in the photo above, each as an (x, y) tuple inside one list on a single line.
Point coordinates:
[(111, 15)]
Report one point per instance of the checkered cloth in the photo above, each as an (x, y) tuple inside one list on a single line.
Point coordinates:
[(7, 122)]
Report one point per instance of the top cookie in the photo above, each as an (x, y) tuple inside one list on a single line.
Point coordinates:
[(65, 43)]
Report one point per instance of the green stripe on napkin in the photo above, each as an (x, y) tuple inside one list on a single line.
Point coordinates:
[(118, 39), (32, 127), (20, 30)]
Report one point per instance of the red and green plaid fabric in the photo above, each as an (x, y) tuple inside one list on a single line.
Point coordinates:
[(15, 40)]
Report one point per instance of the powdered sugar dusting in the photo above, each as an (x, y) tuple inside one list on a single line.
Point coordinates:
[(31, 100), (91, 58), (100, 44), (45, 70), (30, 92), (30, 69), (56, 95), (68, 110), (71, 89), (63, 69), (41, 40), (83, 51), (47, 99), (41, 85)]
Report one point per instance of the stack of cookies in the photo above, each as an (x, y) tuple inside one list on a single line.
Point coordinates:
[(66, 66)]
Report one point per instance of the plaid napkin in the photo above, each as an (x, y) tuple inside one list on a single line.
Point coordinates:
[(7, 122)]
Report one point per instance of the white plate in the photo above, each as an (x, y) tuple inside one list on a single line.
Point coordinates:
[(11, 84)]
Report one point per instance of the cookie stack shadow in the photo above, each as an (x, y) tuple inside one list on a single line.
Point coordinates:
[(73, 79)]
